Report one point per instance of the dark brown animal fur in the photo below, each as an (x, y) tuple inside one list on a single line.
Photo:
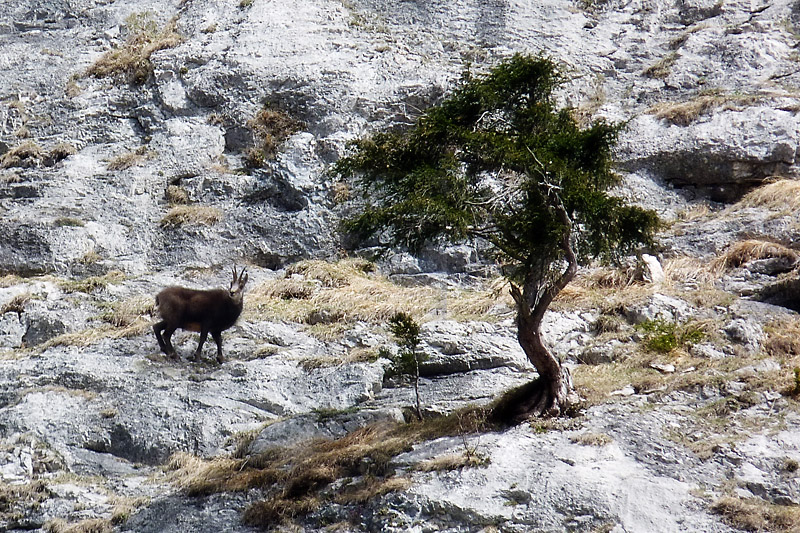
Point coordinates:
[(205, 312)]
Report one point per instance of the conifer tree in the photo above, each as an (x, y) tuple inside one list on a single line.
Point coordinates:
[(496, 160)]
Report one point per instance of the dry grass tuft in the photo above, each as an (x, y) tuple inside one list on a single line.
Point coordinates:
[(326, 294), (131, 61), (25, 155), (755, 514), (16, 304), (91, 284), (133, 312), (93, 525), (607, 289), (331, 275), (176, 195), (9, 280), (684, 113), (781, 195), (297, 479), (200, 477), (371, 488), (661, 68), (16, 500), (124, 507), (191, 214), (743, 252), (58, 153), (591, 439), (271, 127), (783, 339), (356, 355), (91, 336), (454, 461), (130, 159), (290, 289), (689, 271)]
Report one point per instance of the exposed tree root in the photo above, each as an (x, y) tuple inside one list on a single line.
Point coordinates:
[(537, 398)]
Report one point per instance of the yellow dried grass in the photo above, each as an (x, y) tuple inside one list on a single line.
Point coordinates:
[(349, 291), (191, 214), (755, 514), (27, 154), (743, 252), (90, 525), (132, 60), (782, 195), (684, 113), (130, 159)]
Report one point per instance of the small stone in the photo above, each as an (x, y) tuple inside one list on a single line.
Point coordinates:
[(627, 390), (651, 269), (664, 369)]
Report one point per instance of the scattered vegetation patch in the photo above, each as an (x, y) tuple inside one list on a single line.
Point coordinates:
[(453, 461), (356, 355), (58, 153), (591, 439), (663, 336), (16, 304), (90, 258), (592, 5), (662, 67), (191, 214), (783, 340), (16, 501), (603, 288), (176, 195), (91, 284), (271, 127), (679, 41), (781, 195), (58, 389), (300, 479), (331, 275), (755, 514), (131, 61), (130, 159), (124, 507), (790, 466), (91, 525), (25, 155), (743, 252), (8, 178), (685, 113), (326, 295), (69, 222), (130, 312)]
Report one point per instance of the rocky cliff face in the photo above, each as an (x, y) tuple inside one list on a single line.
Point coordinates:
[(144, 144)]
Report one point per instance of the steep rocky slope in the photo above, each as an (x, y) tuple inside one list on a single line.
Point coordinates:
[(144, 144)]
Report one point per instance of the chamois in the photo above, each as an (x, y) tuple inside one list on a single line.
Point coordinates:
[(205, 312)]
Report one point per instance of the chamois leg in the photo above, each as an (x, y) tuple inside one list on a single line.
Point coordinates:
[(170, 351), (218, 339), (201, 342), (157, 329)]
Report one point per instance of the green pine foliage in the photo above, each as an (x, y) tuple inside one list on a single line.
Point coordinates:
[(491, 162), (406, 363)]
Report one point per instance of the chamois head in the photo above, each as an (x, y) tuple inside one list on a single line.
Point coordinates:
[(205, 312), (237, 285)]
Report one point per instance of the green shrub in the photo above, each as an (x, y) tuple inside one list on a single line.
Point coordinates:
[(406, 363), (663, 336)]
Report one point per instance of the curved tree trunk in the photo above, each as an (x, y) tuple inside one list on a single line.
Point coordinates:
[(550, 394)]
